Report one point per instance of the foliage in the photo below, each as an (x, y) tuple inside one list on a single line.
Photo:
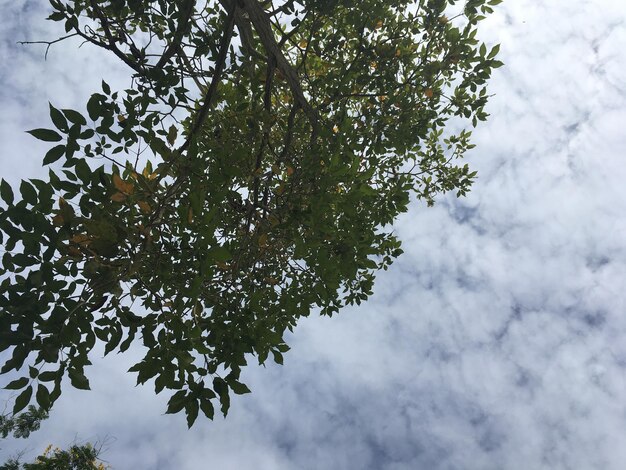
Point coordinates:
[(21, 425), (248, 176), (77, 457)]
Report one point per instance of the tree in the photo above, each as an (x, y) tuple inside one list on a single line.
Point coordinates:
[(77, 457), (247, 176)]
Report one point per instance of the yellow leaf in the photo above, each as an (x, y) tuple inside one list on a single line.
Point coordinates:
[(74, 252), (303, 44), (398, 52), (190, 215), (335, 129), (144, 206), (118, 197), (57, 220), (122, 186), (379, 24), (263, 240), (80, 239), (290, 171), (429, 93)]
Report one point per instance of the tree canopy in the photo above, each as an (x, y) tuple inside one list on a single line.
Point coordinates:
[(248, 176)]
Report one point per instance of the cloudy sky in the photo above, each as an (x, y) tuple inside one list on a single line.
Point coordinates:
[(497, 341)]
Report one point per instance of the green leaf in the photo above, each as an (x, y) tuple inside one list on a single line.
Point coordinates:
[(221, 388), (78, 379), (54, 154), (23, 399), (57, 118), (172, 134), (17, 384), (106, 88), (278, 357), (83, 171), (94, 106), (28, 193), (43, 396), (176, 402), (47, 135), (191, 409), (75, 117), (207, 407), (220, 253), (6, 192), (238, 387), (47, 376)]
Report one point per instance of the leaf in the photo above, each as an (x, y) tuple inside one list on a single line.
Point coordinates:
[(278, 357), (78, 379), (207, 407), (54, 154), (172, 134), (191, 409), (57, 118), (144, 207), (94, 106), (220, 254), (17, 384), (6, 192), (238, 387), (75, 117), (176, 402), (47, 135), (23, 399), (122, 186), (83, 171), (221, 388), (28, 193), (43, 396), (118, 197), (47, 376), (106, 88)]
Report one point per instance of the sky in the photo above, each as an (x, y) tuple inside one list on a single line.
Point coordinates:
[(497, 341)]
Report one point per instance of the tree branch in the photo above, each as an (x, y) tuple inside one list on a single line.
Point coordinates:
[(263, 27), (219, 67)]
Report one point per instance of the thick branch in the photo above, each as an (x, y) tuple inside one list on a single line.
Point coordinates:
[(263, 27)]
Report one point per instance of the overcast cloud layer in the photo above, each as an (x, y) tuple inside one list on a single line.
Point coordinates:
[(497, 341)]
